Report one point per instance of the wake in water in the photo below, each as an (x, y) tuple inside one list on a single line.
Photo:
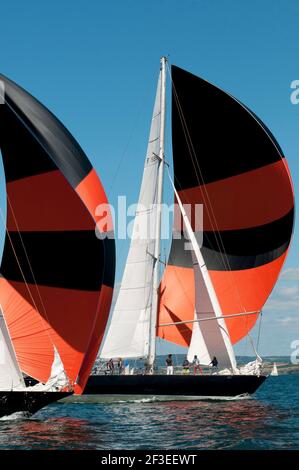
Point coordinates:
[(116, 399), (171, 398), (15, 416)]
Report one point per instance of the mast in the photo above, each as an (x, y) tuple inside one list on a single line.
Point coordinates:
[(156, 278)]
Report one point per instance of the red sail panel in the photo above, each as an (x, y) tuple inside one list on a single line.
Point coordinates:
[(54, 267), (46, 213), (96, 337), (254, 284), (33, 335), (177, 301), (29, 332), (243, 201), (227, 160), (93, 195)]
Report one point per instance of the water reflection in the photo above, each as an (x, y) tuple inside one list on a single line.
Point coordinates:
[(52, 433), (246, 424), (201, 425)]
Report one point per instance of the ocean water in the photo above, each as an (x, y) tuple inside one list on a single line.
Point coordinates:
[(268, 420)]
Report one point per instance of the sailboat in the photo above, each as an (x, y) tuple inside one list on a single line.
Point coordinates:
[(218, 275), (57, 276), (274, 370)]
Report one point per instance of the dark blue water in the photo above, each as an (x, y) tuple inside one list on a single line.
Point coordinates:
[(270, 420)]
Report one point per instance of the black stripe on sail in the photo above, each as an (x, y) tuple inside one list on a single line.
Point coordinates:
[(238, 249), (215, 133), (22, 154), (180, 254), (52, 138), (70, 259), (252, 241), (219, 262), (109, 267)]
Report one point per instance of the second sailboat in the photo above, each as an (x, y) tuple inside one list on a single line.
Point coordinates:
[(211, 295)]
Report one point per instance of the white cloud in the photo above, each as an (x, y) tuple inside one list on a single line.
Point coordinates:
[(285, 297), (288, 291), (287, 321), (290, 274), (281, 316), (282, 304)]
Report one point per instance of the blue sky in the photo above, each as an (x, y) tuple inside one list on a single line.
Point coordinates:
[(95, 65)]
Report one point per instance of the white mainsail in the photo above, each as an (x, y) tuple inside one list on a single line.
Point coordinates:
[(11, 377), (129, 329), (213, 339)]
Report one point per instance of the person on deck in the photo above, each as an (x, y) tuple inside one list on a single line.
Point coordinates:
[(214, 363), (169, 365), (196, 365), (186, 367), (110, 367), (120, 366)]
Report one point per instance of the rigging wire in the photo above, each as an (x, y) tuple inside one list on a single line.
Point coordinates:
[(203, 189), (19, 265), (124, 153)]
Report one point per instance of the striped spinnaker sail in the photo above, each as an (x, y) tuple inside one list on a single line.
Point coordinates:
[(57, 276), (227, 160)]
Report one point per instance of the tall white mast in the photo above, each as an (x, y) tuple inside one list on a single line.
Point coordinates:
[(156, 277)]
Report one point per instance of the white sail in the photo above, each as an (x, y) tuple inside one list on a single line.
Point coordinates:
[(197, 345), (214, 337), (58, 379), (207, 338), (274, 370), (11, 377), (129, 329)]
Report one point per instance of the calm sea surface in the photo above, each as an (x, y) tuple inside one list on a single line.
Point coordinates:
[(270, 420)]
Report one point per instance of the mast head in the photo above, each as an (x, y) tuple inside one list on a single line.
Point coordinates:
[(163, 60)]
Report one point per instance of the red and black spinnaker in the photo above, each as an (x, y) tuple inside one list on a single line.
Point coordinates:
[(57, 276)]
